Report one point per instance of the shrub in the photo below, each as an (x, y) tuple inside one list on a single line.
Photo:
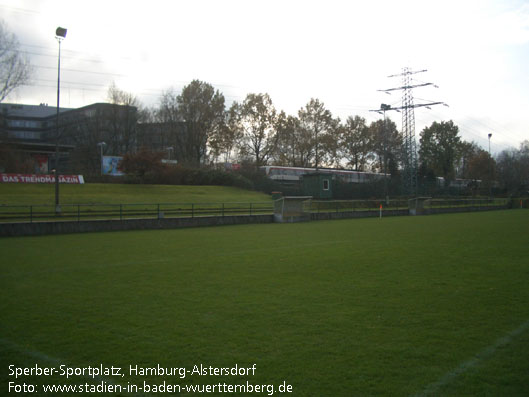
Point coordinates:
[(180, 175), (142, 163)]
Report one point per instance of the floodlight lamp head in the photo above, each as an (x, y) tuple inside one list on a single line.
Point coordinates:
[(490, 135), (61, 32)]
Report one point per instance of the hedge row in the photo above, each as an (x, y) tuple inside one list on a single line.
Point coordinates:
[(247, 178)]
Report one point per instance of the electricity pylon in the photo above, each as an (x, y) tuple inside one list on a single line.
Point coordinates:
[(409, 158)]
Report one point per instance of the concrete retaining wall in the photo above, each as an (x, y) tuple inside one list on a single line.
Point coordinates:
[(42, 228), (433, 211), (320, 216)]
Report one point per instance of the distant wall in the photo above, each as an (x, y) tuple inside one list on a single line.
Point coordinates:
[(320, 216), (433, 211)]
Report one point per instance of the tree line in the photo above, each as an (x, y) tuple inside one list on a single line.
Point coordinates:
[(202, 131), (255, 131)]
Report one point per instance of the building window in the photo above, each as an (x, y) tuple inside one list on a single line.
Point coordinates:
[(23, 123), (325, 184), (24, 134)]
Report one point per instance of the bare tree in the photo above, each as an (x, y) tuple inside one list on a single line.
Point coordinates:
[(15, 69), (123, 119), (513, 169), (117, 96), (191, 119), (173, 132), (227, 134)]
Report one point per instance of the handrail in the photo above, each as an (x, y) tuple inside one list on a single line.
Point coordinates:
[(44, 212), (102, 211)]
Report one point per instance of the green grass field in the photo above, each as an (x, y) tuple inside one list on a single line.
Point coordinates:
[(434, 305), (98, 193)]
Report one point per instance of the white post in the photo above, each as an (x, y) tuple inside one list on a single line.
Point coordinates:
[(101, 144)]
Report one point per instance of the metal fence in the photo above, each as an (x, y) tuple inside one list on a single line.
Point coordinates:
[(469, 203), (78, 212), (320, 206), (357, 205)]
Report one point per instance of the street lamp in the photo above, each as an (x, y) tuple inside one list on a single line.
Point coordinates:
[(101, 144), (384, 108), (60, 34)]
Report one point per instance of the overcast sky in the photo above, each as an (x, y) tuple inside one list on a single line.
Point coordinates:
[(341, 52)]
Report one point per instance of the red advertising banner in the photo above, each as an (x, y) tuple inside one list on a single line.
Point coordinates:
[(34, 178)]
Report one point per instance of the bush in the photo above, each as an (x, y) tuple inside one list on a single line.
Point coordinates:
[(180, 175), (266, 185), (142, 163)]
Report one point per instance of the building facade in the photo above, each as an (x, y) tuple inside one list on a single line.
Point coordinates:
[(29, 135)]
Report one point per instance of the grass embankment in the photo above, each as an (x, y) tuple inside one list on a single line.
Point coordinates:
[(393, 307), (94, 193)]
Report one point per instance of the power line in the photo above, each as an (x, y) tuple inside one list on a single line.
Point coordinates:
[(62, 56), (83, 71), (497, 130), (20, 10), (474, 130)]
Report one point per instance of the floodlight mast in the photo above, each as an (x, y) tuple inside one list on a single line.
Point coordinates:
[(491, 172), (383, 108), (60, 34)]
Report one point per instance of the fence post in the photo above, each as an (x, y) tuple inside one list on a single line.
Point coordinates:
[(30, 214), (250, 209), (78, 212), (121, 212), (192, 210), (223, 210)]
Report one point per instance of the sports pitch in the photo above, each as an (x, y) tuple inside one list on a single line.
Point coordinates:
[(433, 305)]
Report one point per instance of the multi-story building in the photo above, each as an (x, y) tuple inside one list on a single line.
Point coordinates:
[(28, 132), (29, 135)]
